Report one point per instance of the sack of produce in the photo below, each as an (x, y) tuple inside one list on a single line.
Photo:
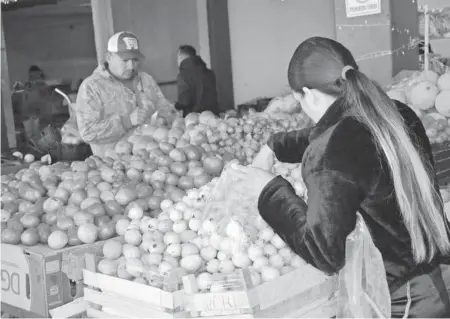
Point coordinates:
[(284, 104), (233, 215), (229, 211)]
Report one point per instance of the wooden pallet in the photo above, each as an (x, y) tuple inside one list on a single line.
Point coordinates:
[(111, 297), (304, 292)]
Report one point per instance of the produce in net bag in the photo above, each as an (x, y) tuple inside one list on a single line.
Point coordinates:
[(363, 288)]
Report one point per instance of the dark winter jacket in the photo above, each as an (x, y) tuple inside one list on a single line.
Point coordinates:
[(343, 174), (196, 87)]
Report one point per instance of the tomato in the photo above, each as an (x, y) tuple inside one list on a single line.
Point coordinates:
[(179, 169), (154, 202), (164, 160), (172, 179), (186, 182), (165, 147), (177, 155), (201, 180), (213, 165)]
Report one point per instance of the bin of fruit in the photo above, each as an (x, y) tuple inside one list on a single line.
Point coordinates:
[(428, 94), (118, 285), (181, 243)]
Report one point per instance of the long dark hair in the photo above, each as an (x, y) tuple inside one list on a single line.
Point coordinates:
[(317, 64)]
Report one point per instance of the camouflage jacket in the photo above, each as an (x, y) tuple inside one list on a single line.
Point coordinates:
[(103, 102)]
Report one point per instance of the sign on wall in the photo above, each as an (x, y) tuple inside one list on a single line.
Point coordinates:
[(358, 8)]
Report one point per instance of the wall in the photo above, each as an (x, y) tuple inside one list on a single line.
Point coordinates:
[(8, 131), (404, 16), (264, 35), (61, 44), (161, 25), (434, 4)]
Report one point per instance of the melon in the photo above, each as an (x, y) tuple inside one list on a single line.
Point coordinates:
[(444, 82), (423, 95), (443, 103), (429, 76), (397, 95)]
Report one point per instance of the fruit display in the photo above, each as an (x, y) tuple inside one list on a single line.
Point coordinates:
[(428, 94), (180, 241), (70, 204), (231, 138), (54, 205)]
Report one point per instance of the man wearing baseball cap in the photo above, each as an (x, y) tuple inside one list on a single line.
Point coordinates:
[(117, 97)]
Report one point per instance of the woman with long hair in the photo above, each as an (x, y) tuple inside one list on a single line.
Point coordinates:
[(368, 154)]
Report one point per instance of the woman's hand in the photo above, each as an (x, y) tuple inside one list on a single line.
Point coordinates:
[(251, 180), (264, 159)]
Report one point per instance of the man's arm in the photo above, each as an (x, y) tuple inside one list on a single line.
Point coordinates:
[(161, 103), (93, 124)]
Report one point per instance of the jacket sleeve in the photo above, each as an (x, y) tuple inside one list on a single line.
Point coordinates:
[(93, 125), (185, 94), (161, 103), (289, 147), (316, 231)]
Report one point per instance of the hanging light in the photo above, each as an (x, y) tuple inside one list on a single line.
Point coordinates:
[(8, 1)]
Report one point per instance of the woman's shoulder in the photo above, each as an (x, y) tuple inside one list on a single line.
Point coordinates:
[(347, 148)]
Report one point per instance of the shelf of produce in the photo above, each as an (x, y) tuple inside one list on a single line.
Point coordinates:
[(37, 279)]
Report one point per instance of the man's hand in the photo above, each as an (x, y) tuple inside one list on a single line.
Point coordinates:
[(138, 116)]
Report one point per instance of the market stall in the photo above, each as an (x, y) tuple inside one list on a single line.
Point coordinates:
[(157, 227)]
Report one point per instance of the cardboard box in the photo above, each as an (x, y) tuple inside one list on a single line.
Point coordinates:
[(37, 279)]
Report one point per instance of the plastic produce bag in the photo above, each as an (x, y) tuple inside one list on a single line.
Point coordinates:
[(231, 211), (234, 214), (363, 288)]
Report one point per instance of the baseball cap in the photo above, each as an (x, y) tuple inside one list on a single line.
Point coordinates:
[(126, 45)]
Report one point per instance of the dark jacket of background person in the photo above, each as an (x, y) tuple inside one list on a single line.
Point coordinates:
[(196, 87)]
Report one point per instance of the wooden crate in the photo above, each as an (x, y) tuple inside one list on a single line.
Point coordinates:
[(441, 156), (110, 297), (304, 292)]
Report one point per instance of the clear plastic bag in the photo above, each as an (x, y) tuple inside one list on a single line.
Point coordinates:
[(231, 211), (363, 288)]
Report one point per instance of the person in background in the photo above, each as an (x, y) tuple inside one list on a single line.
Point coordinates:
[(197, 90), (367, 154), (35, 77), (118, 97), (422, 48)]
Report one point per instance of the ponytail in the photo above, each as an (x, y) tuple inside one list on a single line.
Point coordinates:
[(419, 202)]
